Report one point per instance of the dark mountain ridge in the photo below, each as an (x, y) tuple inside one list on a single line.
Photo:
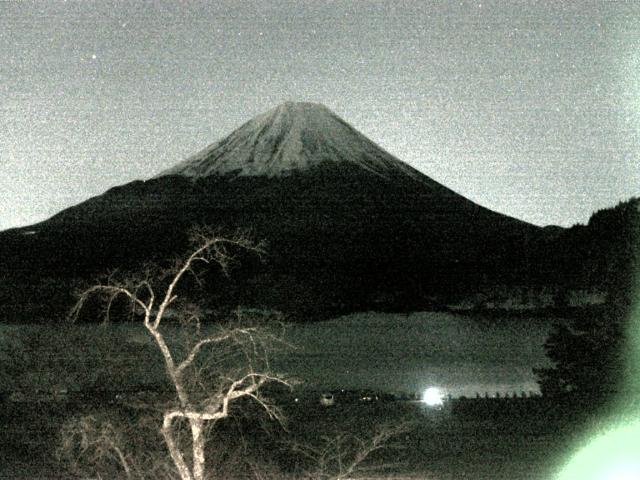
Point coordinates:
[(349, 227)]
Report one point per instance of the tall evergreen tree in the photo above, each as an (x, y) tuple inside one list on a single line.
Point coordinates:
[(589, 353)]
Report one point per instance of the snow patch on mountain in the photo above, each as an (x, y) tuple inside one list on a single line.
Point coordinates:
[(291, 137)]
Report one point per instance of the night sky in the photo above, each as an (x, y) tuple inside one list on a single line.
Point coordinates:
[(529, 108)]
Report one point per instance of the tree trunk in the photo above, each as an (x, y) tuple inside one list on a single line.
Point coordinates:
[(174, 450), (198, 448)]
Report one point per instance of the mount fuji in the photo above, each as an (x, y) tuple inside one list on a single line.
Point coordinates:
[(348, 226)]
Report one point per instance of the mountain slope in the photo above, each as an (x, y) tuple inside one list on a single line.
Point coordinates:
[(349, 226)]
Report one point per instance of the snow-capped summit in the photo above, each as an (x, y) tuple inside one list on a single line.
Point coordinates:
[(294, 136)]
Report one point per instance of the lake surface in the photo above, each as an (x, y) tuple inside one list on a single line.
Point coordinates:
[(390, 352), (400, 352)]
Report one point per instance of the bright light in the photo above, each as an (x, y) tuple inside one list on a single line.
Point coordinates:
[(623, 472), (433, 396), (612, 455)]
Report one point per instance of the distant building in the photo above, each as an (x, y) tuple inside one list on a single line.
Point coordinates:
[(327, 400)]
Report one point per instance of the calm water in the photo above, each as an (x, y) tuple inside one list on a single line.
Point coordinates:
[(400, 352), (391, 352)]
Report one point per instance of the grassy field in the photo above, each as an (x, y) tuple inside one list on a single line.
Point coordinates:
[(480, 439), (476, 439)]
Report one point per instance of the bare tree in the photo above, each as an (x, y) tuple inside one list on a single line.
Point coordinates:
[(341, 456), (97, 439), (203, 371)]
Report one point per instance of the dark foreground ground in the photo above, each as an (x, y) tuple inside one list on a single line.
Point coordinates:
[(474, 439)]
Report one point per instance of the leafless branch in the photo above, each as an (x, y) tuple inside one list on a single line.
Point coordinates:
[(344, 455), (185, 375)]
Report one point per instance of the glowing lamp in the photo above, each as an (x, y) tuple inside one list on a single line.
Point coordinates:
[(433, 397)]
